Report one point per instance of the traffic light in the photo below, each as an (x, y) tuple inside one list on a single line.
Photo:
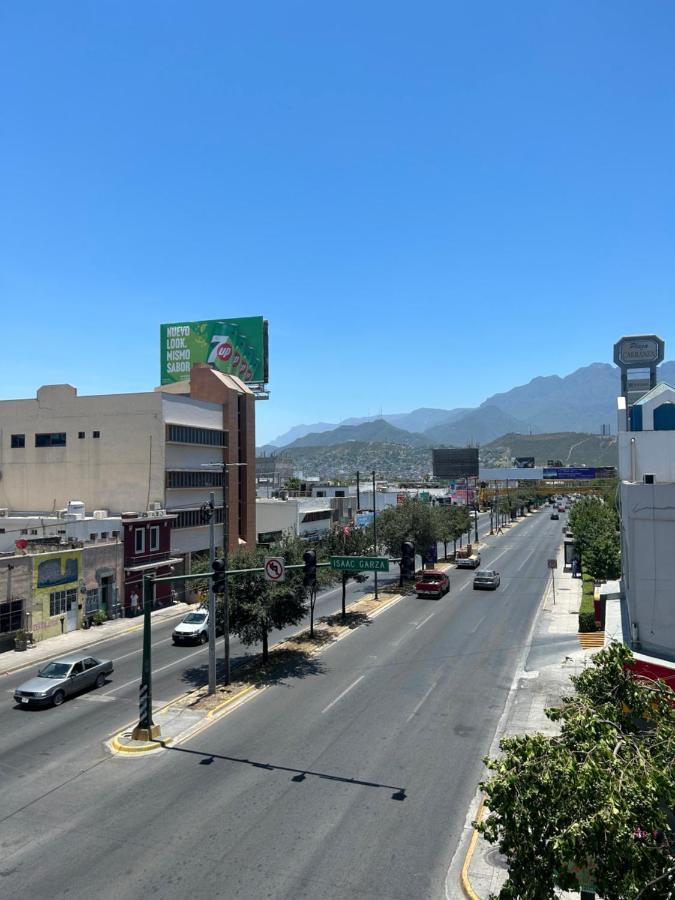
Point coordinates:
[(310, 568), (219, 576), (407, 559)]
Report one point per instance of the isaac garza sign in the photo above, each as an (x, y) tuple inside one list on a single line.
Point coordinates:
[(638, 351), (359, 563)]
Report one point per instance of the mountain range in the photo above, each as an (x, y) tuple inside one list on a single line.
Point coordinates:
[(583, 401)]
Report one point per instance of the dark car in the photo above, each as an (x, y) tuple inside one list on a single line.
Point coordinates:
[(486, 579), (554, 515), (62, 678)]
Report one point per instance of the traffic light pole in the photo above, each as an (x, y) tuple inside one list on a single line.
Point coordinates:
[(146, 730), (212, 598), (375, 528)]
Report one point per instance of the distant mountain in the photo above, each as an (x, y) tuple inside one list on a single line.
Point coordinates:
[(418, 420), (377, 431), (299, 431), (475, 427), (392, 461), (571, 448)]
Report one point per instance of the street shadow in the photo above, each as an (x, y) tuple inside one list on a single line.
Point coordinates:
[(283, 666), (299, 775), (351, 620)]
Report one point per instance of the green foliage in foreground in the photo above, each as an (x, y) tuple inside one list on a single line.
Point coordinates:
[(597, 795)]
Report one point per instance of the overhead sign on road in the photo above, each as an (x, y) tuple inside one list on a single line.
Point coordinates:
[(275, 569), (359, 563)]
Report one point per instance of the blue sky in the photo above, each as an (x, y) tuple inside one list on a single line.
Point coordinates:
[(430, 202)]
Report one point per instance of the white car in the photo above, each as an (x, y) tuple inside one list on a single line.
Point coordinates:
[(193, 628)]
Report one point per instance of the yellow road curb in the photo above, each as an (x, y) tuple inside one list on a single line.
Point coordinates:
[(238, 696), (464, 876), (147, 747)]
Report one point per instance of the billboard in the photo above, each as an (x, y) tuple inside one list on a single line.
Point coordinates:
[(234, 346), (461, 463), (524, 462), (568, 473)]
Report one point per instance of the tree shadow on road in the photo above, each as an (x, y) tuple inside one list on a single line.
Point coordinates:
[(351, 620)]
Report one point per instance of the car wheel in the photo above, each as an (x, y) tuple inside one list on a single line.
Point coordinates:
[(58, 698), (203, 637), (100, 680)]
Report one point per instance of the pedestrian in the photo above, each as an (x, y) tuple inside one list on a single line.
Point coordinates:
[(134, 603)]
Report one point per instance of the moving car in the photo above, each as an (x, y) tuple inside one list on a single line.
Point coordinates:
[(468, 562), (62, 678), (486, 578), (554, 515), (193, 628), (432, 584)]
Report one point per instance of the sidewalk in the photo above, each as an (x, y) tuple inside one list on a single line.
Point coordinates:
[(82, 639), (554, 656)]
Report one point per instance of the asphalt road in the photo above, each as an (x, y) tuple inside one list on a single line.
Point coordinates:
[(351, 781)]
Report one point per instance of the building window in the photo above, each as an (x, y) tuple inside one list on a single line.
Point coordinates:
[(178, 479), (91, 603), (80, 435), (18, 441), (154, 537), (61, 602), (24, 531), (186, 434), (54, 439), (318, 516), (104, 534), (96, 434), (10, 616), (2, 530), (33, 531), (92, 537), (115, 534), (192, 518), (139, 540)]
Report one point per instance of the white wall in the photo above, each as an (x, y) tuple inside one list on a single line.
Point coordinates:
[(648, 539), (121, 470), (651, 451)]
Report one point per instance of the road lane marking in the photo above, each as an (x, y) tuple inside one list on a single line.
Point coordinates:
[(176, 662), (421, 702), (478, 624), (424, 621), (526, 561), (340, 696)]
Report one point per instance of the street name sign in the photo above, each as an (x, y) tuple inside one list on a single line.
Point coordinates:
[(359, 563), (275, 569)]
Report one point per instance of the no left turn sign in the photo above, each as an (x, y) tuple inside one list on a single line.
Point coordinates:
[(275, 568)]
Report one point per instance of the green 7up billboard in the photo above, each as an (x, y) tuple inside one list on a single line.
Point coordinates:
[(234, 346)]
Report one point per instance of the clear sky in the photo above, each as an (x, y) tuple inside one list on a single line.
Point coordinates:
[(429, 201)]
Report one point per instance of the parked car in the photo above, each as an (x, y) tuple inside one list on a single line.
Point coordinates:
[(432, 584), (487, 579), (62, 678), (554, 515), (193, 628), (468, 562)]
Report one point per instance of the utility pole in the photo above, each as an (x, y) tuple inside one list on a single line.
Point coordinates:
[(212, 597), (375, 528), (226, 595), (358, 492)]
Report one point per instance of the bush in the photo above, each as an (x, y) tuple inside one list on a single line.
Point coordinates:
[(587, 622)]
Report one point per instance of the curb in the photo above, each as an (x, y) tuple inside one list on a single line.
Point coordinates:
[(466, 882), (212, 713), (149, 747)]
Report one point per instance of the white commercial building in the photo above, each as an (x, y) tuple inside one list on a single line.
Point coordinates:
[(647, 506), (162, 449), (306, 517), (69, 526)]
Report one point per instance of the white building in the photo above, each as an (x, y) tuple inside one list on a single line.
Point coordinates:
[(162, 449), (647, 505), (306, 517), (69, 526)]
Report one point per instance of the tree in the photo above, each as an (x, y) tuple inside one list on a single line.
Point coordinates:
[(602, 559), (346, 541), (413, 521), (594, 525), (256, 605), (599, 795)]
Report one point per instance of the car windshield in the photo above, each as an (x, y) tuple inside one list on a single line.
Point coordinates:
[(484, 573), (435, 577), (55, 670), (194, 618)]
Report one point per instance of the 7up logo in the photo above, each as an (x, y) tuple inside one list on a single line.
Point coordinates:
[(221, 349)]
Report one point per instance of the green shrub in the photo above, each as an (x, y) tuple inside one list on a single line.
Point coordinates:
[(587, 622)]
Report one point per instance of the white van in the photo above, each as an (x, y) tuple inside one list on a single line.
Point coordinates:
[(193, 628)]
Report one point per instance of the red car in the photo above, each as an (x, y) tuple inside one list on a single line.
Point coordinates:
[(432, 584)]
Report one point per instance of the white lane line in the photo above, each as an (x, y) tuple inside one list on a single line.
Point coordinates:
[(526, 561), (498, 556), (478, 624), (340, 696), (424, 621), (176, 662), (419, 705)]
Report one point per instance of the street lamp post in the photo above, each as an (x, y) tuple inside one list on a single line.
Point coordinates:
[(375, 528)]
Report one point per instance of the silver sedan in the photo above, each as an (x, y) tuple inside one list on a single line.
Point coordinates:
[(62, 678)]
